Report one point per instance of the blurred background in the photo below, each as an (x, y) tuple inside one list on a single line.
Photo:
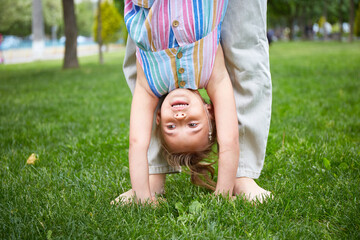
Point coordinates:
[(35, 30), (313, 20)]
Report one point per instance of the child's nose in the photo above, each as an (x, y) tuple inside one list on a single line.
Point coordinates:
[(180, 115)]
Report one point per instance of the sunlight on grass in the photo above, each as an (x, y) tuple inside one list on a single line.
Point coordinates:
[(76, 122)]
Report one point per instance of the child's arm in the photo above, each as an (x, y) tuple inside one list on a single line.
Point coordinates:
[(141, 118), (220, 91)]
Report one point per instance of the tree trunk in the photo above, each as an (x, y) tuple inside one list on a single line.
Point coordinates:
[(351, 20), (100, 42), (291, 28), (70, 58), (38, 43), (325, 6), (341, 20)]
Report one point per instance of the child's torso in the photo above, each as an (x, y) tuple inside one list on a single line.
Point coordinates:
[(176, 40)]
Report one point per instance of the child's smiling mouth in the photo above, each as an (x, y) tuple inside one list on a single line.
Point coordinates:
[(179, 106)]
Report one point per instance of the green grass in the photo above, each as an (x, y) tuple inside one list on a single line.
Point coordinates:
[(77, 123)]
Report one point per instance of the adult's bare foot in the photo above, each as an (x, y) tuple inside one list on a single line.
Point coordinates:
[(249, 189)]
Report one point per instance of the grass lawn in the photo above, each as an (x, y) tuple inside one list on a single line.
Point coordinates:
[(76, 121)]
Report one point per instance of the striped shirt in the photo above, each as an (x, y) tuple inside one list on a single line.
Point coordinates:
[(176, 40)]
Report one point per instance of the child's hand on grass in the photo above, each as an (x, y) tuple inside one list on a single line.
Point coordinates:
[(157, 183), (125, 197), (129, 197)]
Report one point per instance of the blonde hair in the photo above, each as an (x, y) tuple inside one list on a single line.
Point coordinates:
[(199, 163)]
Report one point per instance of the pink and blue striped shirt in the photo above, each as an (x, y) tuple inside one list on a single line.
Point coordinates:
[(176, 40)]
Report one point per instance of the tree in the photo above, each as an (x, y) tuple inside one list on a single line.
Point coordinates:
[(107, 25), (304, 13), (98, 35), (85, 17), (351, 20), (341, 19), (52, 17), (357, 23), (70, 58), (119, 4), (38, 43), (289, 11), (16, 17)]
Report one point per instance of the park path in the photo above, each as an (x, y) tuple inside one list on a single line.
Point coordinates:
[(23, 55)]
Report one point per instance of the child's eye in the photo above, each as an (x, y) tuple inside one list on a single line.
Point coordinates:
[(172, 126), (193, 125)]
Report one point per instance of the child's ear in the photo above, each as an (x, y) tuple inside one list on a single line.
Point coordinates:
[(158, 117), (210, 109)]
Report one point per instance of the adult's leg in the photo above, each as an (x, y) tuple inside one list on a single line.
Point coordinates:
[(246, 52)]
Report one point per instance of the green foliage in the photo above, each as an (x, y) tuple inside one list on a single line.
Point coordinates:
[(119, 4), (84, 17), (77, 121), (287, 13), (335, 8), (53, 15), (309, 9), (357, 22), (110, 23), (15, 17)]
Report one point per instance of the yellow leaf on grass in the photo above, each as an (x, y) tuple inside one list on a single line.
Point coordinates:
[(32, 159)]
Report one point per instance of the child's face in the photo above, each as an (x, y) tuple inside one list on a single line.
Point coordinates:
[(184, 121)]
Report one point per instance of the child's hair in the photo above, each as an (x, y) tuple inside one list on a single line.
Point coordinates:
[(201, 171)]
